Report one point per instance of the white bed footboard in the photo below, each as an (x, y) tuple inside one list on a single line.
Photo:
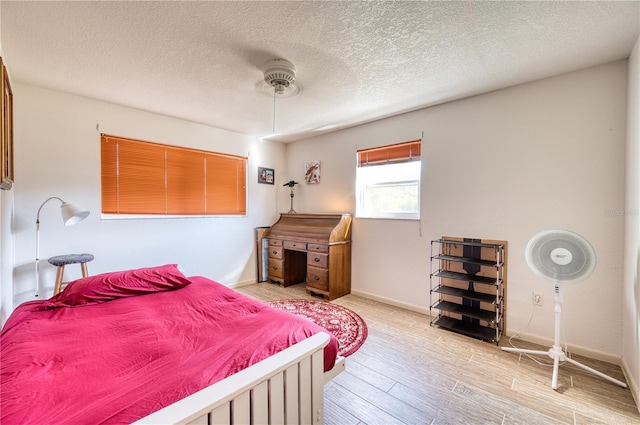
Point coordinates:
[(286, 388)]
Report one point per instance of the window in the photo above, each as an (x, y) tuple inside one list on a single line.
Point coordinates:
[(149, 178), (388, 181)]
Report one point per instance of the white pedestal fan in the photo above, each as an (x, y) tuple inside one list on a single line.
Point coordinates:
[(562, 257)]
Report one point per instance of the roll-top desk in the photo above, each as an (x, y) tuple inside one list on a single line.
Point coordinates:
[(312, 248)]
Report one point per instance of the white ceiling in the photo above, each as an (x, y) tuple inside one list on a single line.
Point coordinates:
[(356, 61)]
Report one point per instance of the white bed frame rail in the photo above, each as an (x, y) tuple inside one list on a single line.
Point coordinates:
[(286, 388)]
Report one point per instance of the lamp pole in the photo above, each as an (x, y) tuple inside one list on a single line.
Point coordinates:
[(38, 242)]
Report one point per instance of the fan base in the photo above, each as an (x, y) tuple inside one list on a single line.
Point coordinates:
[(558, 355)]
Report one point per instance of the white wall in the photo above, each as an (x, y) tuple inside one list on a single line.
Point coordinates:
[(631, 287), (58, 154), (504, 165)]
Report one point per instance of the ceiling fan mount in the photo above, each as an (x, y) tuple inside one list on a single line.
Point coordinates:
[(279, 74)]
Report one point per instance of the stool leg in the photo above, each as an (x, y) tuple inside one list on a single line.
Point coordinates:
[(58, 286), (85, 273)]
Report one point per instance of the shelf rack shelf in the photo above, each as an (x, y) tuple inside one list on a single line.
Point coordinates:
[(467, 286)]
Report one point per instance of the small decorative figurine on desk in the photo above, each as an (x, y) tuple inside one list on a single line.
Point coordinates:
[(291, 185)]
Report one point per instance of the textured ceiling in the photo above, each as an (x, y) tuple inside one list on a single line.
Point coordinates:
[(356, 61)]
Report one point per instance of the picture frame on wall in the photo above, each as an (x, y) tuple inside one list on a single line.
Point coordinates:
[(6, 130), (312, 172), (266, 175)]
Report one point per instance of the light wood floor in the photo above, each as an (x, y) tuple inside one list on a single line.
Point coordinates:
[(410, 373)]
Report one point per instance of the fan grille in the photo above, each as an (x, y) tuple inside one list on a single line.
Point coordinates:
[(561, 256)]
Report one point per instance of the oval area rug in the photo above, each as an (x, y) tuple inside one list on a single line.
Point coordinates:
[(346, 325)]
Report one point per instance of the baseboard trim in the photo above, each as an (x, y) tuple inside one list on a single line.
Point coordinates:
[(385, 300), (241, 284), (576, 349)]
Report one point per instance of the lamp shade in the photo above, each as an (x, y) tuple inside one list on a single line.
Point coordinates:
[(72, 214)]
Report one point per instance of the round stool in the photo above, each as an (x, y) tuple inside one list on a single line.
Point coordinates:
[(63, 260)]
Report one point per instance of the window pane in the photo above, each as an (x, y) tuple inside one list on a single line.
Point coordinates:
[(389, 191), (391, 173), (401, 198)]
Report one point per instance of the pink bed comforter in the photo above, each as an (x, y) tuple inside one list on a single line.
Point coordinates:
[(121, 360)]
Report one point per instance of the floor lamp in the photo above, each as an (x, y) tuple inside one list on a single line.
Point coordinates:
[(71, 214)]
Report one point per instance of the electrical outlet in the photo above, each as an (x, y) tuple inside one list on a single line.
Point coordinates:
[(538, 299)]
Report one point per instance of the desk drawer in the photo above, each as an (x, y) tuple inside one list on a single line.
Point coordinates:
[(317, 247), (318, 278), (275, 242), (275, 268), (296, 246), (317, 259), (275, 252)]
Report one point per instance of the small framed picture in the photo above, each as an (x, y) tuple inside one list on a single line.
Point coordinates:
[(266, 175), (312, 172)]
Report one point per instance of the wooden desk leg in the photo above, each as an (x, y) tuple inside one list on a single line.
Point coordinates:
[(58, 285)]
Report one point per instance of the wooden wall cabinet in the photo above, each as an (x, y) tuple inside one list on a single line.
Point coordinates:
[(468, 286), (312, 248)]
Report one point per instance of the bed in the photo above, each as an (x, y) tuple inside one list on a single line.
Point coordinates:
[(154, 346)]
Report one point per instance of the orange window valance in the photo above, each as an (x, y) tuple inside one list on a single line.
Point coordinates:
[(401, 152), (150, 178)]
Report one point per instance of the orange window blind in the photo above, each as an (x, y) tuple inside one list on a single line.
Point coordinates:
[(401, 152), (224, 185), (140, 177), (185, 181)]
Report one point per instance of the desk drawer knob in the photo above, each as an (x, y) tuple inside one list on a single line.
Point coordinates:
[(317, 260), (274, 252), (316, 278), (274, 267)]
